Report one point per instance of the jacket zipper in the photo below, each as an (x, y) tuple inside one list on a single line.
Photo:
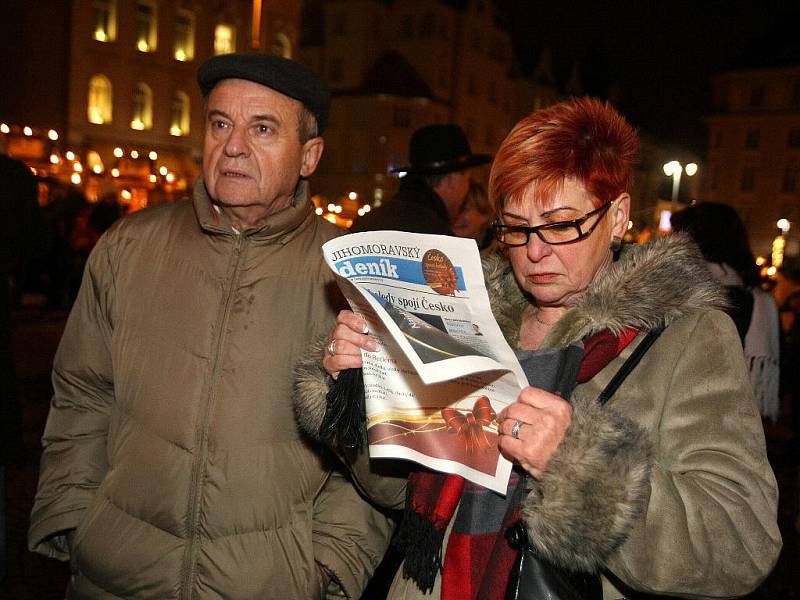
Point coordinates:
[(201, 456)]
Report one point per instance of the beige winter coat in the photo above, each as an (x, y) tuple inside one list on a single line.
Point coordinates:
[(170, 448), (667, 489)]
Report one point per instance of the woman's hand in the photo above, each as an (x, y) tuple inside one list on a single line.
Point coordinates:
[(543, 421), (347, 340)]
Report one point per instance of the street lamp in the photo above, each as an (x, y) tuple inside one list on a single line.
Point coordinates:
[(674, 169)]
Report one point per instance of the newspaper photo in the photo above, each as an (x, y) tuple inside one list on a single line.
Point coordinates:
[(443, 369)]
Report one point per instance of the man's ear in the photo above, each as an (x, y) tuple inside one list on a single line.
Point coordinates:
[(620, 215), (312, 152)]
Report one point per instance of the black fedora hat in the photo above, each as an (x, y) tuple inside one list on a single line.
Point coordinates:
[(440, 149)]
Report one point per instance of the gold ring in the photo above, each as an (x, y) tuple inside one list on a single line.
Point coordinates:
[(332, 348)]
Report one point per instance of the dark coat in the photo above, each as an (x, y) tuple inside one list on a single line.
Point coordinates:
[(416, 208)]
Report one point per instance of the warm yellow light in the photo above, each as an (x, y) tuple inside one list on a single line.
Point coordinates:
[(760, 260), (163, 170), (115, 172), (137, 124), (96, 115), (331, 207), (70, 155), (54, 159), (118, 152), (691, 169), (153, 177), (672, 167), (337, 209), (97, 169), (352, 195), (180, 55), (134, 154), (778, 248), (52, 134), (170, 177), (331, 218), (630, 225), (360, 212), (143, 46), (772, 271), (318, 210), (126, 194), (153, 155), (4, 128), (367, 208), (100, 35), (784, 225), (176, 131), (27, 130), (76, 178), (78, 167)]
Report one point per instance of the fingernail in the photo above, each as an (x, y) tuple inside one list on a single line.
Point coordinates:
[(372, 345)]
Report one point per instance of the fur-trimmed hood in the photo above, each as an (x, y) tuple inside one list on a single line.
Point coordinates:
[(649, 285)]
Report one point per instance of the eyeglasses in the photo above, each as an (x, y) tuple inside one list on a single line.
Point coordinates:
[(559, 232)]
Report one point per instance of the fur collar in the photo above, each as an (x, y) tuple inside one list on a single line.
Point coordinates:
[(647, 286)]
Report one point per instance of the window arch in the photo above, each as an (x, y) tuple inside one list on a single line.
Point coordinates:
[(142, 117), (105, 20), (281, 45), (100, 97), (180, 115)]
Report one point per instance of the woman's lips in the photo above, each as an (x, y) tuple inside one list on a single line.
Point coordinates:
[(542, 277)]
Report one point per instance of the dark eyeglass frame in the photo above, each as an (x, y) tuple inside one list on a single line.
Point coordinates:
[(499, 228)]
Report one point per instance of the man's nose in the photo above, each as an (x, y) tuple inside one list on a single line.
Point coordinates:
[(236, 143)]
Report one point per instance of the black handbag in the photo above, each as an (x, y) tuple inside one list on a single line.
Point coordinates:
[(535, 578)]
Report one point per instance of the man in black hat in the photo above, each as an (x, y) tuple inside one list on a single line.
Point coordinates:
[(172, 467), (435, 185)]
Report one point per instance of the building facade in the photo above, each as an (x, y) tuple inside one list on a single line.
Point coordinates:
[(395, 67), (753, 157)]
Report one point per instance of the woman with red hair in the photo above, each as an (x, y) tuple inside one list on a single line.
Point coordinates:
[(652, 476)]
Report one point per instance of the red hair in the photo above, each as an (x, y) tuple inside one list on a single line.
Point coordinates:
[(582, 138)]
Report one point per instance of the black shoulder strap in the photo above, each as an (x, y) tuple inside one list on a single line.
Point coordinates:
[(629, 364)]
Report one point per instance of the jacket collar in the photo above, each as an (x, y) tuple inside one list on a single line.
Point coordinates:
[(281, 226), (649, 285)]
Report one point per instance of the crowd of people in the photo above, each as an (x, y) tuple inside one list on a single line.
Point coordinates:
[(182, 455)]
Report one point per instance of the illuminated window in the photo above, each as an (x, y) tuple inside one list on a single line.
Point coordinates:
[(98, 108), (142, 117), (224, 39), (281, 45), (105, 20), (183, 49), (180, 117), (146, 36)]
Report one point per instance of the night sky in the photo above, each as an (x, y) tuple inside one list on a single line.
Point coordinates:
[(654, 59)]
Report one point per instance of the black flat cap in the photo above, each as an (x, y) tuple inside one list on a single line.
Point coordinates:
[(281, 74)]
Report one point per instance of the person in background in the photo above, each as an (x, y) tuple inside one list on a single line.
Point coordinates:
[(171, 465), (475, 216), (662, 489), (787, 296), (723, 240), (434, 187)]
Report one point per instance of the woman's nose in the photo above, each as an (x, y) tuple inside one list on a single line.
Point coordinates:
[(537, 249)]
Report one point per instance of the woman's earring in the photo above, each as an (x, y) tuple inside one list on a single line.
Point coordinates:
[(616, 244)]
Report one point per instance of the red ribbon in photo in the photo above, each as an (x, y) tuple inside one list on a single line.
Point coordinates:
[(469, 425)]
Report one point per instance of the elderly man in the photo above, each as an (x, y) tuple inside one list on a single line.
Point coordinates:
[(172, 467), (435, 186)]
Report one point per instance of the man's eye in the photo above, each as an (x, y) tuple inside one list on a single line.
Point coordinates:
[(263, 129), (219, 124)]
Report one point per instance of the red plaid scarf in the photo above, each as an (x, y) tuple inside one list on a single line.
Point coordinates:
[(478, 560)]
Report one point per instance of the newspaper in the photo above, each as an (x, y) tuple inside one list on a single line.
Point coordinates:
[(443, 369)]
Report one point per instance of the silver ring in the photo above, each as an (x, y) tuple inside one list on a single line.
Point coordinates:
[(332, 348), (515, 429)]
